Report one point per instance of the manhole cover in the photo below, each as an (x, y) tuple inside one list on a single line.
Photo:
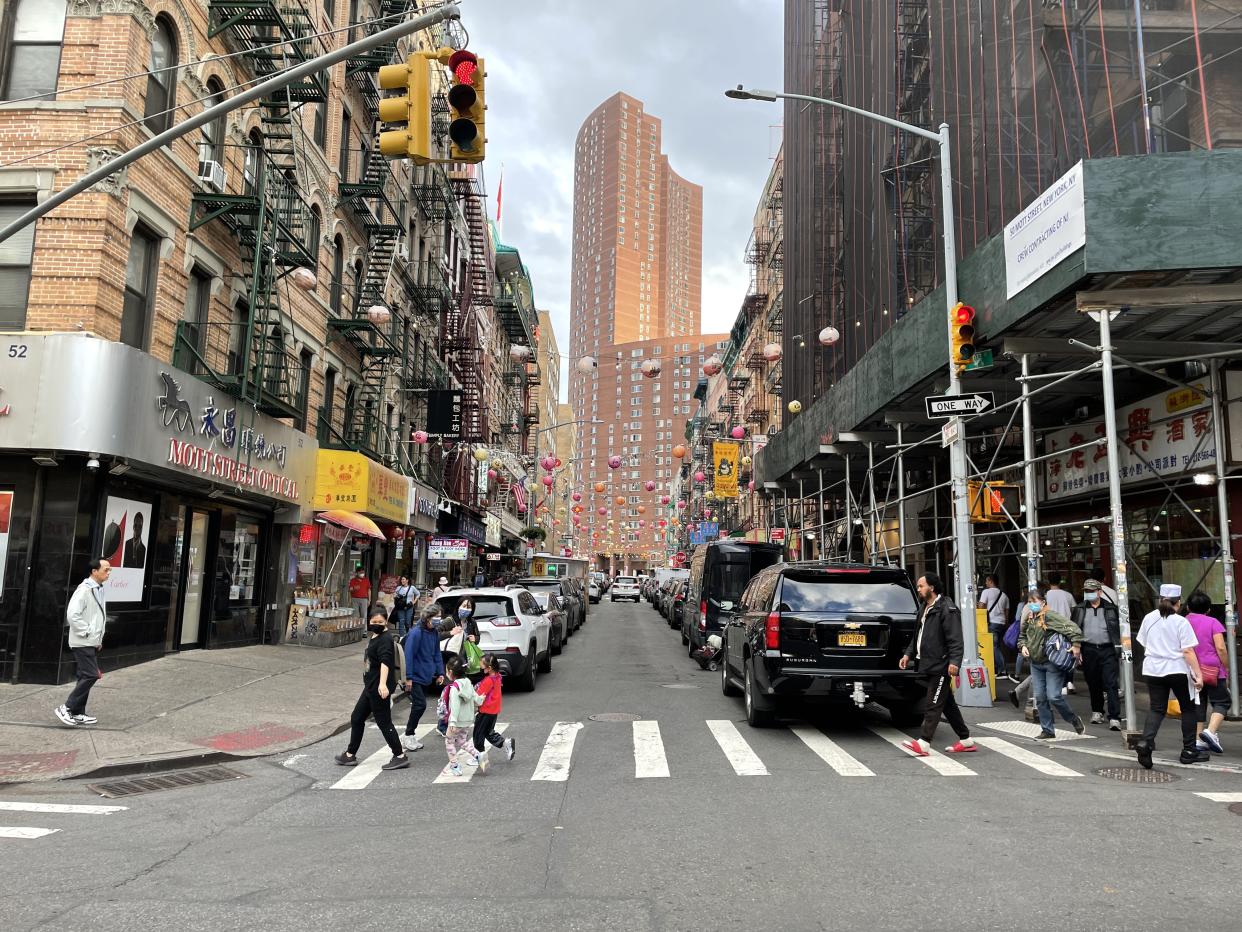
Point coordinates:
[(614, 717), (678, 686), (165, 781), (1236, 808), (1135, 775)]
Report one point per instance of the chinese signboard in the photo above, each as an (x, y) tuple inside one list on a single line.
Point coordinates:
[(448, 548), (349, 481), (724, 469), (1049, 229), (705, 531), (444, 413), (1162, 435)]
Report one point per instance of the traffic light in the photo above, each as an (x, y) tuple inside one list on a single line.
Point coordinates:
[(412, 108), (467, 133), (961, 335), (993, 502)]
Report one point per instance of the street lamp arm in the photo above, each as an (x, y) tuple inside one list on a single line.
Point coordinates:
[(878, 117)]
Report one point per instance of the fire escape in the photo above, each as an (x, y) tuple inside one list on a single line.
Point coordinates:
[(251, 357)]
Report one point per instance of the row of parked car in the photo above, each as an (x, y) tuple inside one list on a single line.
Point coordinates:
[(792, 634)]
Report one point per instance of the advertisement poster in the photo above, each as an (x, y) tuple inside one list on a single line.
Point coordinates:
[(724, 469), (448, 548), (6, 520), (127, 530), (1049, 229)]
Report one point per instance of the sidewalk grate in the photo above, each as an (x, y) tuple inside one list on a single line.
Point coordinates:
[(165, 781), (1135, 775), (614, 717)]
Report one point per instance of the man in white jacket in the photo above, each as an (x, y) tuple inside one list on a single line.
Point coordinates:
[(87, 614)]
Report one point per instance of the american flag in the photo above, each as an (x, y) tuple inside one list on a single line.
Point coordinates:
[(519, 493)]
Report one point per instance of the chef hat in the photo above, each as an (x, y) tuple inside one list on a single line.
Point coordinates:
[(1170, 591)]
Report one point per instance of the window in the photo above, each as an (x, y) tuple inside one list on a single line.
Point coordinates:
[(250, 170), (320, 126), (237, 344), (342, 162), (15, 255), (33, 60), (139, 288), (351, 401), (162, 82), (329, 9), (306, 360), (329, 399), (211, 145), (314, 231), (338, 275), (197, 311)]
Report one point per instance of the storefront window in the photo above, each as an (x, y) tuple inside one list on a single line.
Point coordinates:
[(235, 614)]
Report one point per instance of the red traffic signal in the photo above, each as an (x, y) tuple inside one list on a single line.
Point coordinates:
[(466, 106), (961, 335)]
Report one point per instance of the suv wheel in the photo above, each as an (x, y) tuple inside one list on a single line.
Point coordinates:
[(527, 683), (556, 643), (685, 637), (545, 664), (726, 684), (757, 715)]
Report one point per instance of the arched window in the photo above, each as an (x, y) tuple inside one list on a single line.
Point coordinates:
[(357, 290), (212, 143), (162, 81), (338, 276), (33, 60), (314, 231), (250, 171)]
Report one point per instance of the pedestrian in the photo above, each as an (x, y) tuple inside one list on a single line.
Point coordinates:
[(1101, 652), (1170, 665), (441, 589), (936, 651), (1039, 622), (463, 705), (1106, 591), (485, 723), (1061, 602), (404, 597), (360, 592), (1214, 666), (424, 666), (996, 603), (87, 616), (379, 679)]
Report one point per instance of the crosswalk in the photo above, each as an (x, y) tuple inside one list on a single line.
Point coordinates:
[(865, 753), (32, 832)]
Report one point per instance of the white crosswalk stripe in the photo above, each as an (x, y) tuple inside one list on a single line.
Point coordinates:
[(745, 762), (1222, 797), (30, 832), (936, 761), (360, 776), (1035, 761), (649, 759), (831, 753), (558, 751), (467, 772)]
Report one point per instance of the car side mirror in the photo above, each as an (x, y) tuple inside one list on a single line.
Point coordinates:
[(726, 606)]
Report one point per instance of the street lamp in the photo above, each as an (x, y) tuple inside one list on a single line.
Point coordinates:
[(973, 695)]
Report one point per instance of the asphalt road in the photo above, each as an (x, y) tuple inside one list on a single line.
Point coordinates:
[(749, 829)]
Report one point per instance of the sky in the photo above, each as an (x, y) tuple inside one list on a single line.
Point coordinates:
[(549, 64)]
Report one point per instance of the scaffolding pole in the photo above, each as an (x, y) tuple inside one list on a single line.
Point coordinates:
[(1226, 551), (1028, 478), (901, 501)]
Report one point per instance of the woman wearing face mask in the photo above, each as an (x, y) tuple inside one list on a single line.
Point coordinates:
[(379, 678), (1101, 649), (468, 628), (1038, 622)]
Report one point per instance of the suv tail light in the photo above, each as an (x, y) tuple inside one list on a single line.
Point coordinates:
[(703, 615), (772, 631), (504, 621)]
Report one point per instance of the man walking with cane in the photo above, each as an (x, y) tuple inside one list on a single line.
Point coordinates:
[(87, 614)]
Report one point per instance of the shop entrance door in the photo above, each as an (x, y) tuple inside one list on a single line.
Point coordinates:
[(195, 579)]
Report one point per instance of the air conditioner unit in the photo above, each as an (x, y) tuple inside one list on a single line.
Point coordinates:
[(211, 173)]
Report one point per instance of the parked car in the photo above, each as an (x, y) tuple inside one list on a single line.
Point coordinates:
[(664, 594), (676, 603), (559, 600), (594, 591), (624, 587), (719, 572), (822, 631), (513, 626)]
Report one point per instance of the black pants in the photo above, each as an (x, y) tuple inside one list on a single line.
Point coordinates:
[(87, 659), (1158, 689), (418, 705), (940, 700), (1102, 672), (371, 705), (485, 730)]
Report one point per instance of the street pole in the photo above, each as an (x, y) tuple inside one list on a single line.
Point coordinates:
[(257, 92), (1226, 544), (978, 694), (1028, 479)]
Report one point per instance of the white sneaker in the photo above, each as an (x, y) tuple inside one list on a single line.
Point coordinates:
[(410, 743), (1069, 688), (471, 761), (62, 713), (84, 719), (455, 770), (484, 763), (1114, 725), (510, 748), (1097, 718)]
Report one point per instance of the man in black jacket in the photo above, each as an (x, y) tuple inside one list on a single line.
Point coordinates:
[(1101, 647), (936, 651)]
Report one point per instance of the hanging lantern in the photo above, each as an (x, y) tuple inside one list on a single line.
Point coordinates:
[(712, 365), (772, 352), (829, 335), (521, 509), (642, 509), (304, 278), (642, 523), (577, 496), (699, 475), (663, 523), (750, 486), (664, 499), (492, 474), (480, 454), (601, 510), (707, 513), (577, 509), (649, 486), (420, 436), (676, 523), (599, 487), (588, 364), (738, 432), (619, 500), (795, 406), (518, 352), (650, 368), (679, 451), (746, 461), (378, 314), (681, 506), (547, 481), (548, 462), (614, 462), (557, 464)]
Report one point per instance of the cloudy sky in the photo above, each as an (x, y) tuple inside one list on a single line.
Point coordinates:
[(549, 64)]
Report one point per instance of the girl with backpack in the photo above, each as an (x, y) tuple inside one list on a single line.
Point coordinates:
[(485, 722), (463, 704), (1051, 642)]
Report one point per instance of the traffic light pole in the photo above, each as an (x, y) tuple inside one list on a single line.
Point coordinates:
[(973, 670), (257, 92)]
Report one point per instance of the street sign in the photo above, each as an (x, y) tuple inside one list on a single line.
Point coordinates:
[(950, 430), (953, 405), (981, 360)]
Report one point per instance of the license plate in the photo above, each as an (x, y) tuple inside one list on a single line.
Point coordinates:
[(852, 639)]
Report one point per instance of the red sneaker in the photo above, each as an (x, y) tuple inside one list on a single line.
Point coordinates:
[(915, 748), (960, 748)]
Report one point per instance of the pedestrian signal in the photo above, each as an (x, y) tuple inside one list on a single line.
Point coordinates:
[(993, 502), (961, 335), (466, 106)]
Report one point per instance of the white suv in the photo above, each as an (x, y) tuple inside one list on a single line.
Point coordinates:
[(512, 625), (624, 587)]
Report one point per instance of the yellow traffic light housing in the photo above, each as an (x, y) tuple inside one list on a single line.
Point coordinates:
[(467, 129), (961, 336), (412, 108), (990, 502)]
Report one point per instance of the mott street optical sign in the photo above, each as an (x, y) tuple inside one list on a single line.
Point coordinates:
[(941, 406)]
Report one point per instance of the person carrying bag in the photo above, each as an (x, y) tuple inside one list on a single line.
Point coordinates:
[(1051, 642)]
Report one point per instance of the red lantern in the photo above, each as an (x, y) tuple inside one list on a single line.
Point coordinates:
[(738, 432), (699, 476), (664, 499)]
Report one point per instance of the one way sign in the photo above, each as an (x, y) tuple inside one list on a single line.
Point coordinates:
[(940, 406)]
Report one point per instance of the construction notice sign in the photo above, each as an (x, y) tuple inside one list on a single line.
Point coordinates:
[(724, 469)]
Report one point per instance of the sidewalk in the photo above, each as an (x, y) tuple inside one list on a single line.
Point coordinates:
[(191, 707)]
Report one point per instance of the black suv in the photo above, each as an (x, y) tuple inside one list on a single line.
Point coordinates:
[(822, 631), (553, 592)]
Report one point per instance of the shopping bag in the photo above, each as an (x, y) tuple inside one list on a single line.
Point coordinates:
[(472, 654)]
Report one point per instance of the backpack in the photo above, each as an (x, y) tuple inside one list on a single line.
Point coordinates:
[(442, 705)]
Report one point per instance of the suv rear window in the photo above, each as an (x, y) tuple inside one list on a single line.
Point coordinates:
[(484, 606), (846, 595), (626, 579)]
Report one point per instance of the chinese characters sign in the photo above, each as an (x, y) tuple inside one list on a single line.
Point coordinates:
[(724, 469), (444, 409), (349, 481), (1163, 435)]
